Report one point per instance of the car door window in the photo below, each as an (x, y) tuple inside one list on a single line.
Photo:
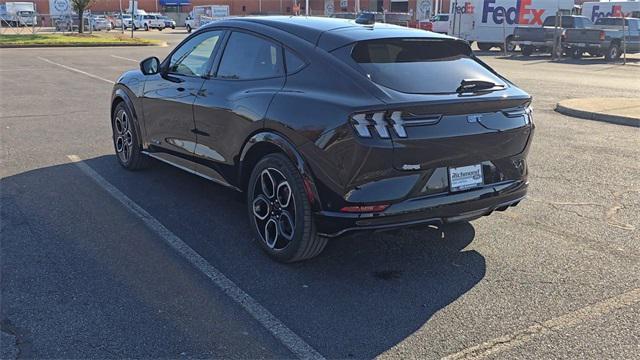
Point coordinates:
[(192, 58), (248, 57)]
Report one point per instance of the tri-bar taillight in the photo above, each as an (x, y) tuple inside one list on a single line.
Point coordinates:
[(381, 122)]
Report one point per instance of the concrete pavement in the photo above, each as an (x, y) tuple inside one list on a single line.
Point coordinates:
[(82, 278)]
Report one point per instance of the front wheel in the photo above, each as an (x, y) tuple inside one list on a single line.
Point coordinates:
[(484, 46), (280, 212), (527, 50), (125, 139), (189, 29)]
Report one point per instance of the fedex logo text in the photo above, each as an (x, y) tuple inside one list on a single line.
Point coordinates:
[(616, 11), (522, 13)]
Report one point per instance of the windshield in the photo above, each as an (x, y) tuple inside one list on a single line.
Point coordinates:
[(420, 66)]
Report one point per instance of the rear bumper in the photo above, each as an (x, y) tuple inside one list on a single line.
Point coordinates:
[(578, 45), (538, 44), (435, 209)]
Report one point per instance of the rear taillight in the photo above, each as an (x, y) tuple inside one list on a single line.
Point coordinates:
[(601, 35), (380, 121)]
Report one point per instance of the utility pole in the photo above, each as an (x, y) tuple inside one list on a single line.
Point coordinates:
[(121, 18)]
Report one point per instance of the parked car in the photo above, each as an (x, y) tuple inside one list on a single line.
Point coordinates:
[(606, 38), (66, 23), (440, 23), (542, 39), (126, 18), (329, 132), (168, 22), (148, 21), (98, 23)]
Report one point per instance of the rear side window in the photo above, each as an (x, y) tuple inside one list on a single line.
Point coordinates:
[(567, 21), (248, 57), (294, 63), (420, 66)]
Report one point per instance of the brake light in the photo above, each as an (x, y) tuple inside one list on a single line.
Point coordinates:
[(601, 35), (380, 121), (364, 208)]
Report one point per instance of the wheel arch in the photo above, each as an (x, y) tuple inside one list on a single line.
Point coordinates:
[(267, 142)]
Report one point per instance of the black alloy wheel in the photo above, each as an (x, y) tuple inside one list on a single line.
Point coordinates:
[(125, 140), (280, 211)]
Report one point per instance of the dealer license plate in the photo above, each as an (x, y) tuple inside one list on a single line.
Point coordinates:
[(465, 177)]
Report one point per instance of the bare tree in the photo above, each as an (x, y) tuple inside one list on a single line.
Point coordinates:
[(80, 6)]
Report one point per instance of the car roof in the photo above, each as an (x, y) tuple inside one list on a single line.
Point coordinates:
[(331, 33)]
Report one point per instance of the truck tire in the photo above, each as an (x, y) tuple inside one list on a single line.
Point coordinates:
[(576, 53), (189, 29), (485, 46), (613, 52), (511, 47), (527, 50)]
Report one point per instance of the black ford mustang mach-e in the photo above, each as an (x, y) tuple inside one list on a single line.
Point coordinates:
[(330, 126)]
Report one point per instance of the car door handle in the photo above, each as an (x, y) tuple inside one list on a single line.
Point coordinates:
[(181, 89)]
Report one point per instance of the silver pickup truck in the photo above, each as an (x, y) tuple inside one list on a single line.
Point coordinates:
[(540, 39), (605, 38)]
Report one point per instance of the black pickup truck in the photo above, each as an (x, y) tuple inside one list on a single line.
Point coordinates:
[(606, 38), (541, 39)]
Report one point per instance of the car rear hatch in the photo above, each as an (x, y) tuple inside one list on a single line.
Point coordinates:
[(444, 107)]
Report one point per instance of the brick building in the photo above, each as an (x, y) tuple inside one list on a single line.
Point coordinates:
[(252, 7)]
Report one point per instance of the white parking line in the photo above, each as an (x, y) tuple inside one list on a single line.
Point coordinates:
[(76, 70), (520, 337), (124, 58), (280, 331)]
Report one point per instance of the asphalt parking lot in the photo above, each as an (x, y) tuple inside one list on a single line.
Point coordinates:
[(85, 277)]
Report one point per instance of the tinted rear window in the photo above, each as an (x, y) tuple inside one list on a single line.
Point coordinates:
[(420, 66), (567, 21), (612, 21)]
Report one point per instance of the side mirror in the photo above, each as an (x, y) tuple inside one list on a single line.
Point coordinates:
[(150, 66)]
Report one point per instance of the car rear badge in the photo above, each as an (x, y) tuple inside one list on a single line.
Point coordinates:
[(474, 118)]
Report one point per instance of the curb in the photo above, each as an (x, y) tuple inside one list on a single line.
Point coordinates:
[(589, 115)]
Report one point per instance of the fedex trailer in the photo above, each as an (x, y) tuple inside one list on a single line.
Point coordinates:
[(492, 22), (596, 10)]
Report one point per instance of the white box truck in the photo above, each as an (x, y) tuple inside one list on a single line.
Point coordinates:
[(596, 10), (490, 23), (201, 15), (15, 13)]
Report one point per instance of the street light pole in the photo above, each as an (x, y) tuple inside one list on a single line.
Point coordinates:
[(306, 8), (121, 18)]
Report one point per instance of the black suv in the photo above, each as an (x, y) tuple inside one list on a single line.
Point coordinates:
[(330, 126)]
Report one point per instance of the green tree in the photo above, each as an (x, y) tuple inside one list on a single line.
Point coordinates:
[(80, 6)]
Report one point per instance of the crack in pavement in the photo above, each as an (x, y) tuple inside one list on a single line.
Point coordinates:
[(517, 338)]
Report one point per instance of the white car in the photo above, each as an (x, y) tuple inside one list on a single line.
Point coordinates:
[(126, 18), (147, 22), (440, 23)]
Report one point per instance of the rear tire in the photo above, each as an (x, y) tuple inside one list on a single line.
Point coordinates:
[(613, 52), (188, 29), (280, 213), (125, 139)]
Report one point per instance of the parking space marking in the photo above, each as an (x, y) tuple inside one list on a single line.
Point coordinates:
[(279, 330), (123, 58), (520, 337), (76, 70)]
